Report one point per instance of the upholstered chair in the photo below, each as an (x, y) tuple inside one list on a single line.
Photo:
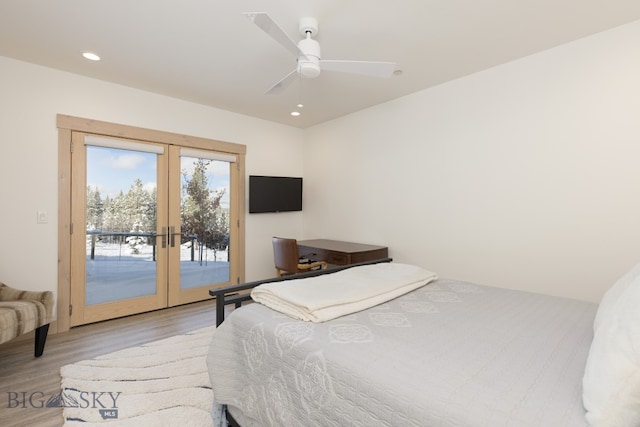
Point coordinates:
[(24, 311)]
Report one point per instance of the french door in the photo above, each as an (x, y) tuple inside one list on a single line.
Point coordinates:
[(152, 225)]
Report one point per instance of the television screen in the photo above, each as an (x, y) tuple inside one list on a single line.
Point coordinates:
[(274, 194)]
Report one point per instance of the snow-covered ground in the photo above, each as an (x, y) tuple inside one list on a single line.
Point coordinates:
[(117, 273)]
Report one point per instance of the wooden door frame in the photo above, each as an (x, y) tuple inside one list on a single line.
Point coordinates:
[(68, 124)]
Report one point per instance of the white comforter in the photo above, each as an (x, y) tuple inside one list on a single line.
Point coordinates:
[(447, 354), (322, 298)]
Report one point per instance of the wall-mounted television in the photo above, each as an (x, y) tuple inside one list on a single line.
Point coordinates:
[(274, 194)]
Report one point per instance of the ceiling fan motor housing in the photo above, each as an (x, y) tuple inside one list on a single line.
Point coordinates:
[(309, 63)]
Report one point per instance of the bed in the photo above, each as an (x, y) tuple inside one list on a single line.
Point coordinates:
[(447, 353)]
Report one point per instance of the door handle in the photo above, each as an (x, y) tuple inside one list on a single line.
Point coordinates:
[(164, 237), (173, 236)]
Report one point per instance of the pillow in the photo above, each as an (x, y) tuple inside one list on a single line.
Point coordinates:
[(611, 382), (612, 296)]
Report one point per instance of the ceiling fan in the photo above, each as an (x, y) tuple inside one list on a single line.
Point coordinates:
[(307, 53)]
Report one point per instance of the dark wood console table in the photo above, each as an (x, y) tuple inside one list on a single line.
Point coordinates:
[(340, 253)]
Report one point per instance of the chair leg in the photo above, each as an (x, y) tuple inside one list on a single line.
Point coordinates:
[(41, 339)]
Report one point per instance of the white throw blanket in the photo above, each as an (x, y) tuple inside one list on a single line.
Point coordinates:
[(322, 298)]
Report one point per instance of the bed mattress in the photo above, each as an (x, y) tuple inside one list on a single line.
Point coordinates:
[(448, 354)]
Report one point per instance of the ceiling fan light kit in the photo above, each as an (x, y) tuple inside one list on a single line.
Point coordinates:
[(309, 61)]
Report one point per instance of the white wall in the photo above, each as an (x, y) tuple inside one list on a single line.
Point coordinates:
[(524, 176), (31, 98)]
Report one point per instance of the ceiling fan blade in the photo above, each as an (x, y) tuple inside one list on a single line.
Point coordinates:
[(366, 68), (270, 27), (283, 83)]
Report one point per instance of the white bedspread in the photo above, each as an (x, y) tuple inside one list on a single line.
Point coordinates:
[(322, 298), (448, 354)]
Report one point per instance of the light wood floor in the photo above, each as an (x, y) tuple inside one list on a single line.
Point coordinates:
[(21, 372)]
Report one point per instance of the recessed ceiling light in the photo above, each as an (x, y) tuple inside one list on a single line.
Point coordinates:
[(91, 56), (295, 113)]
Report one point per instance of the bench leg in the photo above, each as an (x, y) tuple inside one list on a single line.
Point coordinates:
[(41, 338)]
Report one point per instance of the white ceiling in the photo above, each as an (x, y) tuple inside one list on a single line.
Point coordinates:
[(207, 52)]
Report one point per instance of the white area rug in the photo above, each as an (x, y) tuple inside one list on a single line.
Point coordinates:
[(162, 383)]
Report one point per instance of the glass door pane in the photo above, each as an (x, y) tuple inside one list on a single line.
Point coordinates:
[(118, 214), (121, 217), (204, 222)]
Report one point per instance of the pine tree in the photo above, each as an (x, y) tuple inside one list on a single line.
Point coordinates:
[(95, 209), (140, 208), (201, 213)]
